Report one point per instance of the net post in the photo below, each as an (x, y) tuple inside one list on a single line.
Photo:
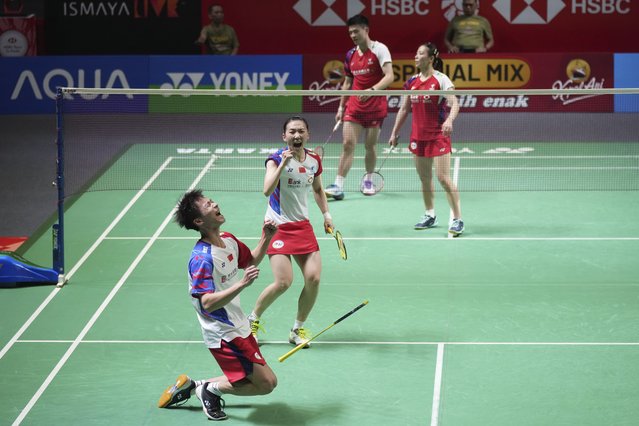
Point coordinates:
[(58, 229)]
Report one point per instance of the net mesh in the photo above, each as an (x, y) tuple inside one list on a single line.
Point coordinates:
[(119, 140)]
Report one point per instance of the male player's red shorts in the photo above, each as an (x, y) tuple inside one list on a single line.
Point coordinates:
[(432, 148), (236, 357), (293, 238), (365, 119)]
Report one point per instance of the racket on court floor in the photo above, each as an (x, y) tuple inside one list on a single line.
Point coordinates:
[(375, 182), (340, 242), (319, 150), (301, 345)]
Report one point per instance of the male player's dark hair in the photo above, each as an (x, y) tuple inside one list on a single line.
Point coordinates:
[(187, 210), (357, 20)]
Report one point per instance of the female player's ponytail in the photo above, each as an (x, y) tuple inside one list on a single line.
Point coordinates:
[(433, 52)]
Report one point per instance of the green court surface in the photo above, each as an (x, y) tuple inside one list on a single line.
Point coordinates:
[(529, 318)]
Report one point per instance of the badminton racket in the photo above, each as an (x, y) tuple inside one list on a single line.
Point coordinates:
[(376, 179), (301, 345), (340, 242), (319, 150)]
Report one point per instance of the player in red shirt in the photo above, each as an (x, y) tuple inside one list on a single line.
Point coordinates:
[(432, 126), (368, 66)]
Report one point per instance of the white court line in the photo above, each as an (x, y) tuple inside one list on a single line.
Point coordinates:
[(420, 238), (25, 411), (344, 342), (455, 181), (434, 417), (504, 156), (86, 255)]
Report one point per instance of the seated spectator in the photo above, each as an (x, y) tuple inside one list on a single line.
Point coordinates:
[(469, 33), (219, 38)]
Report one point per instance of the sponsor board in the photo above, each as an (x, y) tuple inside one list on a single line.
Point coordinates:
[(29, 84), (626, 76), (319, 26), (531, 71), (18, 36), (271, 72)]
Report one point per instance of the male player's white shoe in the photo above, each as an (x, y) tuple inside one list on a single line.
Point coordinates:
[(299, 336), (334, 191)]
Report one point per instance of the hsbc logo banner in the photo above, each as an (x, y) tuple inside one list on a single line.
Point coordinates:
[(533, 12), (319, 26)]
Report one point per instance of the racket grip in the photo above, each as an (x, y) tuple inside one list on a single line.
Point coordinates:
[(337, 125), (291, 352)]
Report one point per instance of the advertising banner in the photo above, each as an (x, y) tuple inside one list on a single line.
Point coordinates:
[(18, 36), (529, 71), (626, 65), (319, 26), (269, 72), (29, 84), (115, 27)]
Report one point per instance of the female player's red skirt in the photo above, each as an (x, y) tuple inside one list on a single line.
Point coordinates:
[(294, 238), (432, 148)]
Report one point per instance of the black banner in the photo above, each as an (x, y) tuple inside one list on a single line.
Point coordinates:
[(115, 27)]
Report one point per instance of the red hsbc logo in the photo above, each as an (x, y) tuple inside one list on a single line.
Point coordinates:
[(320, 13), (529, 12)]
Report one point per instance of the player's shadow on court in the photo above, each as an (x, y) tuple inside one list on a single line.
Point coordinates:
[(280, 413), (277, 413)]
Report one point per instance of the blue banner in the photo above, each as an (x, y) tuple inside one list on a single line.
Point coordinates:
[(29, 84), (255, 72), (626, 76)]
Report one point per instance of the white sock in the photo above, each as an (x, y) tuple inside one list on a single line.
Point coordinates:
[(369, 176), (253, 317), (213, 388), (298, 325), (431, 212), (339, 181)]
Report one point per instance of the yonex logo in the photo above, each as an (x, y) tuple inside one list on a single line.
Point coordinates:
[(529, 11), (318, 13)]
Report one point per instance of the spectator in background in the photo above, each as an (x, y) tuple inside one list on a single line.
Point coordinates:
[(469, 33), (219, 38)]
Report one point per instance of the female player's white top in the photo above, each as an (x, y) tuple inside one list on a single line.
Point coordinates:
[(289, 200)]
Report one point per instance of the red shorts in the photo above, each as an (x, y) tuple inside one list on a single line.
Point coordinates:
[(293, 238), (236, 358), (432, 148), (365, 119)]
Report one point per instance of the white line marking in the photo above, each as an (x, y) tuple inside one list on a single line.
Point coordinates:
[(455, 181), (421, 238), (344, 342), (25, 411), (88, 253), (434, 418)]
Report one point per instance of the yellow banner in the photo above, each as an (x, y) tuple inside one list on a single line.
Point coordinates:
[(496, 73)]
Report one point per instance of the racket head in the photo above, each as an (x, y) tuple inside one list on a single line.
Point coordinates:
[(340, 244), (319, 150), (376, 183)]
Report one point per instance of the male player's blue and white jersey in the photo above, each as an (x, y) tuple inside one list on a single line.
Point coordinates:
[(212, 269), (289, 200)]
